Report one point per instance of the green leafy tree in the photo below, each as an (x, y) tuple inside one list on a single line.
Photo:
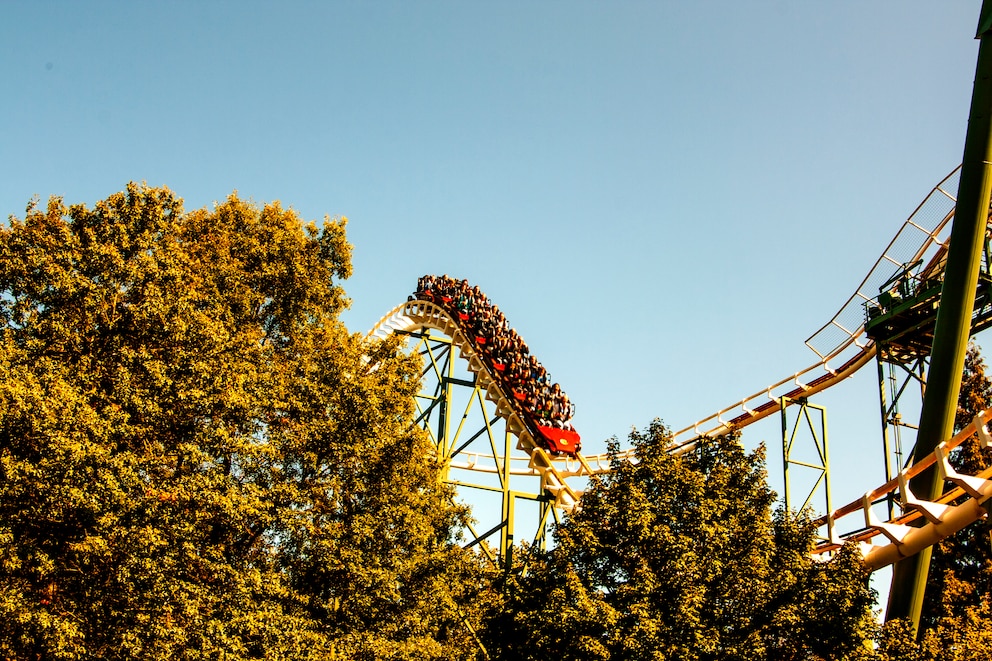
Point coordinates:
[(197, 460), (679, 556)]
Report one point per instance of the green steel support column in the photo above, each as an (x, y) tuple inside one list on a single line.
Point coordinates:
[(506, 537), (957, 301), (783, 402), (817, 442), (886, 448), (443, 391), (446, 379), (508, 531), (545, 507)]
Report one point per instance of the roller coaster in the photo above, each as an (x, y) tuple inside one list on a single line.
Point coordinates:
[(478, 416)]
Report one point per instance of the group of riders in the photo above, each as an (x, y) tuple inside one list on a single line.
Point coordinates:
[(508, 355)]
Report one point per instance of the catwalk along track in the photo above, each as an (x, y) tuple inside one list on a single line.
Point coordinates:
[(902, 285)]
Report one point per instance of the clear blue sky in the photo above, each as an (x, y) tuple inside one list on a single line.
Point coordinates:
[(666, 198)]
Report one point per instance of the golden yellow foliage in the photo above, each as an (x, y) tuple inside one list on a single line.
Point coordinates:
[(197, 459)]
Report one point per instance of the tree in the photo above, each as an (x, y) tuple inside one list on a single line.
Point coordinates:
[(197, 460), (679, 556)]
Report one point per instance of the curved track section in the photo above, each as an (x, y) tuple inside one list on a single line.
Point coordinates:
[(417, 315)]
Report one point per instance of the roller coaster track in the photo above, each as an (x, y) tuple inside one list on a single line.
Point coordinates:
[(884, 542), (418, 315), (842, 347)]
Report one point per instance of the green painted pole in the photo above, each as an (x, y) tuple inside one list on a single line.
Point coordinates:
[(953, 329), (885, 425)]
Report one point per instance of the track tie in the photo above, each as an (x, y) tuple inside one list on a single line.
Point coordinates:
[(934, 512), (896, 532), (974, 486)]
